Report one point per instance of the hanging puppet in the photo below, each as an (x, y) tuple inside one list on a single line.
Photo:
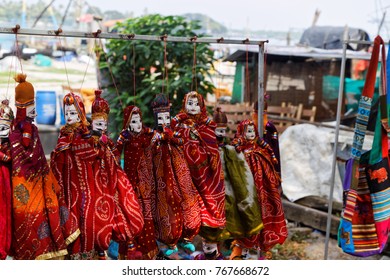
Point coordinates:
[(261, 160), (202, 155), (177, 206), (41, 220), (270, 133), (135, 140), (72, 162), (117, 208), (243, 214), (100, 110), (6, 118)]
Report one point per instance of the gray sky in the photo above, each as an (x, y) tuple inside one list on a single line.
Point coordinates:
[(280, 15), (267, 15)]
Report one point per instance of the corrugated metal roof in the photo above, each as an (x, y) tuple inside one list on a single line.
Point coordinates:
[(299, 53)]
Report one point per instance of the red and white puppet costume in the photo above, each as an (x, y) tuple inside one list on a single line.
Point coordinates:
[(261, 160), (72, 163), (177, 209), (201, 152), (41, 220), (118, 212), (6, 118), (135, 141)]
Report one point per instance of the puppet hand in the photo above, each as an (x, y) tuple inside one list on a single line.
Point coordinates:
[(167, 133), (103, 139), (26, 142), (125, 133)]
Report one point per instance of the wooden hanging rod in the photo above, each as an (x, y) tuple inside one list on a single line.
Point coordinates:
[(129, 37)]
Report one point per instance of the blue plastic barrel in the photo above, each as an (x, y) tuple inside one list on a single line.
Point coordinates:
[(45, 107), (62, 114)]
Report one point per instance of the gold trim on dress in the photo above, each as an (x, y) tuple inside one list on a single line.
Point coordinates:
[(52, 255), (71, 238)]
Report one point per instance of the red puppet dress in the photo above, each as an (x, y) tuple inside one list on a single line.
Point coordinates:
[(202, 155), (72, 163), (118, 212), (138, 167), (261, 161), (177, 205), (41, 228), (6, 117)]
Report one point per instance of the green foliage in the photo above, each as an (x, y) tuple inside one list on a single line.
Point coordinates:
[(142, 63)]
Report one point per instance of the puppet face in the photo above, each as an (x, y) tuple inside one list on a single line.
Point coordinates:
[(30, 111), (4, 130), (250, 133), (99, 124), (220, 132), (209, 248), (135, 123), (71, 114), (163, 119), (192, 106)]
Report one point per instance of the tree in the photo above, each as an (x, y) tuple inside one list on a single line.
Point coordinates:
[(147, 59)]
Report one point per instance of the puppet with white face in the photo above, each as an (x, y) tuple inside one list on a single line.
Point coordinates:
[(192, 106), (4, 130), (125, 216), (31, 171), (135, 140), (176, 213), (71, 114), (250, 132), (202, 155), (135, 123), (242, 210), (261, 160), (163, 119), (6, 117), (30, 111), (220, 132), (99, 125), (100, 110)]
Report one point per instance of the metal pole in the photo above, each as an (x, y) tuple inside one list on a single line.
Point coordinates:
[(130, 37), (336, 139), (260, 92)]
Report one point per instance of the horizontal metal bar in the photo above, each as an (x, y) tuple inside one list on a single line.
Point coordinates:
[(361, 42), (130, 37)]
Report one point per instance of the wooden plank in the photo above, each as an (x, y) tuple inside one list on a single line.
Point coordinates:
[(309, 217), (320, 203)]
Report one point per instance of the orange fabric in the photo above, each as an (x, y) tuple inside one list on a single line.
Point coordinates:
[(24, 91), (40, 216)]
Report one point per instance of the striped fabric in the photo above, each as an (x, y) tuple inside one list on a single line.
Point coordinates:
[(381, 205), (361, 126), (365, 238), (350, 205)]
